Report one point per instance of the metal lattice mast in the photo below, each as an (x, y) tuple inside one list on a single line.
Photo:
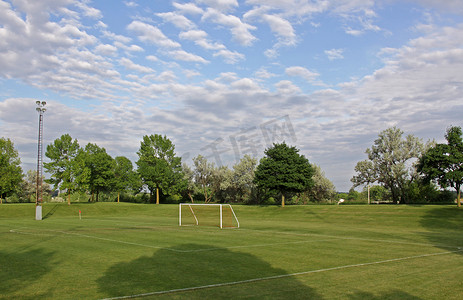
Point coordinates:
[(39, 192)]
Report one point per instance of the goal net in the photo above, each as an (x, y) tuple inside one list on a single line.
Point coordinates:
[(221, 215)]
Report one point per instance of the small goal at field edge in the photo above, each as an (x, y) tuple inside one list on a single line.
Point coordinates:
[(195, 214)]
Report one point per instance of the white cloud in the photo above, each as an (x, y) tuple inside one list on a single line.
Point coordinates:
[(185, 56), (130, 3), (131, 48), (302, 72), (264, 73), (200, 38), (286, 87), (193, 35), (292, 7), (191, 73), (188, 8), (246, 84), (152, 58), (452, 6), (101, 25), (105, 49), (230, 57), (89, 11), (167, 76), (151, 34), (221, 5), (130, 65), (282, 28), (178, 20), (239, 30), (116, 37), (333, 54)]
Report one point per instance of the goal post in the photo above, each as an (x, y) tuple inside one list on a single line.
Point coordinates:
[(196, 214)]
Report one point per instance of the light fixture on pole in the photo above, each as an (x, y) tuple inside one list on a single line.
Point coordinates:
[(38, 202)]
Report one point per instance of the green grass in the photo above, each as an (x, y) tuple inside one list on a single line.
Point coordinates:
[(299, 252)]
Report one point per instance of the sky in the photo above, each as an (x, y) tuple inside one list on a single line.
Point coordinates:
[(226, 78)]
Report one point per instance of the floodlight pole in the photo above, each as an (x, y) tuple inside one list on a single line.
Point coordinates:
[(39, 192)]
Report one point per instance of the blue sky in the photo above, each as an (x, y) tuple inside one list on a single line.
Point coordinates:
[(225, 78)]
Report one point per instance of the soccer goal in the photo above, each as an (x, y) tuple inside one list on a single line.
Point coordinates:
[(221, 215)]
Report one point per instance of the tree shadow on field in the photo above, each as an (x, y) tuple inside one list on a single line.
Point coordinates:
[(445, 227), (192, 265), (382, 296), (21, 268)]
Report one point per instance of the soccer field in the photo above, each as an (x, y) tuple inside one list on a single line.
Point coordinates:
[(117, 251)]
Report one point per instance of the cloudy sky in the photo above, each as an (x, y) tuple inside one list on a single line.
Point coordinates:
[(224, 78)]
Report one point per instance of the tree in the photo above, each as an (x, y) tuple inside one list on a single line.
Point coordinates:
[(204, 176), (243, 177), (190, 187), (390, 162), (323, 189), (378, 193), (222, 186), (159, 168), (61, 168), (95, 169), (28, 187), (444, 162), (125, 178), (283, 170), (10, 170)]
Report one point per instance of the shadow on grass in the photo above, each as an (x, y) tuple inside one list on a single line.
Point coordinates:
[(191, 265), (445, 225), (388, 295), (51, 212), (18, 269)]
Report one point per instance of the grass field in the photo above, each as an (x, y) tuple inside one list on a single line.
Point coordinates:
[(299, 252)]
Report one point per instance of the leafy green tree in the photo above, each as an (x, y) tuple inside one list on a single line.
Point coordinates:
[(444, 162), (190, 187), (243, 178), (11, 173), (28, 187), (159, 167), (323, 189), (391, 163), (204, 176), (125, 178), (223, 187), (62, 169), (283, 170), (96, 170), (236, 184), (378, 193)]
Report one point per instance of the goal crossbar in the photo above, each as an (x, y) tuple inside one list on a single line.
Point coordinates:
[(194, 209)]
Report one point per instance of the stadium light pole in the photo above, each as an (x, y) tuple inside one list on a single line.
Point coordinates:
[(38, 200)]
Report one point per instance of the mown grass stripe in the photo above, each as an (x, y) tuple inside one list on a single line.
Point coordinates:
[(279, 276)]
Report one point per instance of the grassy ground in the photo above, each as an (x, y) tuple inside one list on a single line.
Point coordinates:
[(299, 252)]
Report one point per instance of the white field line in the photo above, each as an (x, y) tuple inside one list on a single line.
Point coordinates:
[(176, 228), (250, 246), (282, 276), (157, 247), (237, 247), (91, 237), (357, 238)]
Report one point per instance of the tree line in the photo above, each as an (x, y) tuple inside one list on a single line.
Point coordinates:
[(399, 170), (89, 173), (410, 171)]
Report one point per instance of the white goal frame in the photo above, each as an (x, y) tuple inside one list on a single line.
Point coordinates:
[(207, 204)]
